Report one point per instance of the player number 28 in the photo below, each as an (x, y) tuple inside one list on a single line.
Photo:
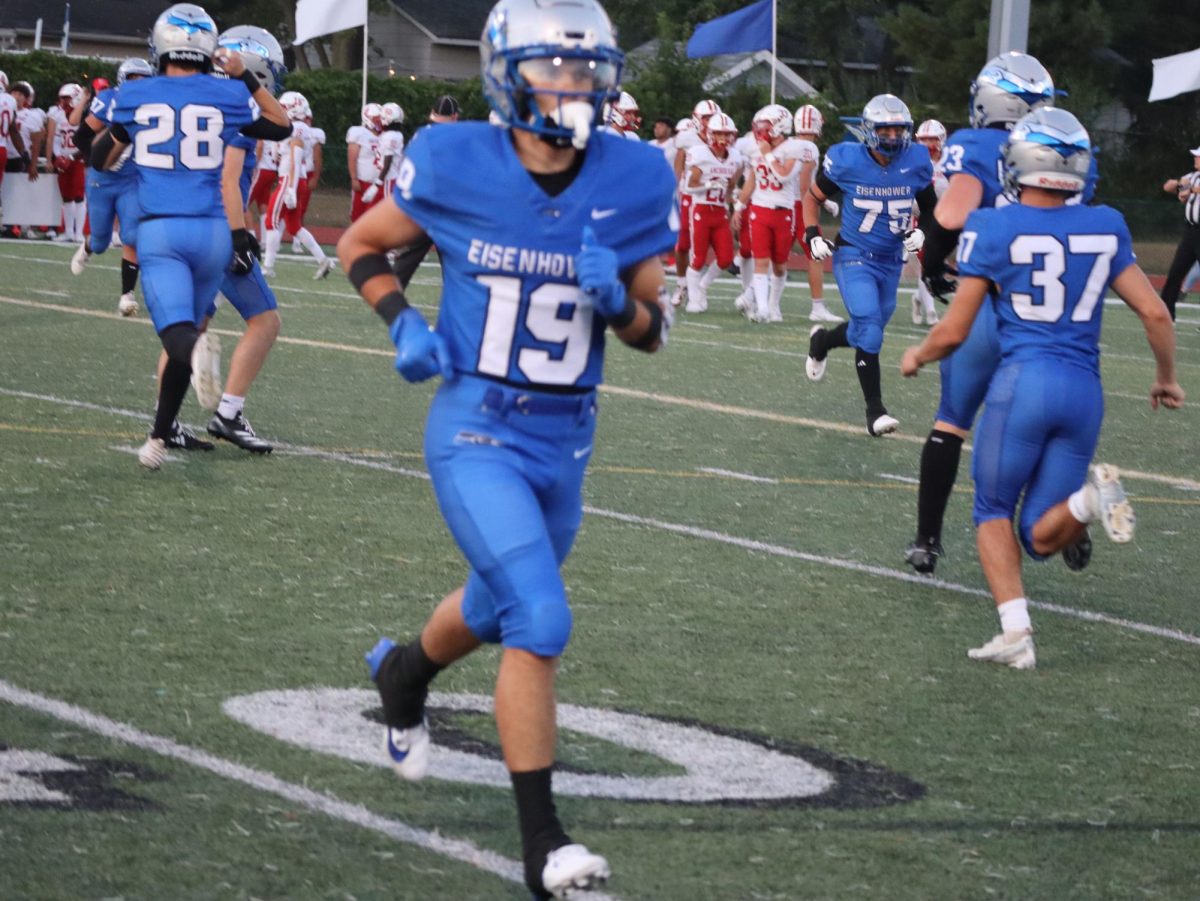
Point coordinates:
[(200, 144), (546, 320)]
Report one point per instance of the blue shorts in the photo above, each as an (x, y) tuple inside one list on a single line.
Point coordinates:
[(868, 284), (111, 198), (249, 294), (183, 261), (967, 372), (507, 468), (1037, 436)]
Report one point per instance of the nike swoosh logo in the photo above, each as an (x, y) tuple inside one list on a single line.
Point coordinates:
[(603, 214), (582, 452), (909, 169)]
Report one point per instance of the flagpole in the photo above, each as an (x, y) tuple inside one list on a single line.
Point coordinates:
[(774, 12), (366, 45)]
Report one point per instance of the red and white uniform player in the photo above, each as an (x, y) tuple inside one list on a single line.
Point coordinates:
[(932, 134), (70, 168), (769, 199), (314, 156), (711, 171), (745, 145), (807, 125), (364, 159), (624, 118), (685, 140), (391, 145), (8, 126), (266, 175), (31, 123), (285, 212)]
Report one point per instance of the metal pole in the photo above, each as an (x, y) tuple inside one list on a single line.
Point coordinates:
[(366, 46), (774, 10), (1008, 27)]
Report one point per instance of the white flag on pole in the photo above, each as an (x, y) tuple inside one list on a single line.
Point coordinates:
[(1175, 75), (317, 17)]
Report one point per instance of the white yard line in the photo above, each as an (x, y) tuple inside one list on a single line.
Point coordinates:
[(737, 476), (907, 480), (319, 802)]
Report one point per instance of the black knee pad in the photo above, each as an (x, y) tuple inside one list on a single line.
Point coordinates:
[(178, 340)]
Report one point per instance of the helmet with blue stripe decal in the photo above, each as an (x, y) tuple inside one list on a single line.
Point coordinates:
[(183, 33), (549, 67), (1049, 149), (887, 111), (1009, 86), (260, 53)]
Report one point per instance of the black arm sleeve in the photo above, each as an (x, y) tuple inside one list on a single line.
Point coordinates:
[(926, 201), (101, 147), (84, 137), (267, 130), (117, 130), (939, 243), (828, 187)]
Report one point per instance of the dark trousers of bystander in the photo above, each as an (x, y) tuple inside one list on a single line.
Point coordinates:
[(1186, 255)]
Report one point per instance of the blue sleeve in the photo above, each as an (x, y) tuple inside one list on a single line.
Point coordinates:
[(980, 246), (834, 166), (235, 105), (124, 108), (1125, 257), (100, 105), (416, 185)]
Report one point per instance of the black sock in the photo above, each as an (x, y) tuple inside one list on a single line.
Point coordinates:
[(129, 274), (836, 337), (939, 469), (171, 390), (867, 367), (822, 342), (541, 832), (406, 673)]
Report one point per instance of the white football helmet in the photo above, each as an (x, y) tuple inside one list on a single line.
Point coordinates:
[(72, 93), (1009, 86), (183, 33), (625, 115), (3, 81), (260, 53), (772, 121), (372, 117), (882, 111), (934, 131), (392, 114), (1048, 148), (722, 133), (808, 121), (702, 112), (568, 49), (684, 125), (294, 104)]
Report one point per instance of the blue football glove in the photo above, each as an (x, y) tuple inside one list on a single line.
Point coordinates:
[(596, 271), (421, 353)]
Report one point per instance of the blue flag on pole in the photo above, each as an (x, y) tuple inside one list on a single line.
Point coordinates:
[(743, 31)]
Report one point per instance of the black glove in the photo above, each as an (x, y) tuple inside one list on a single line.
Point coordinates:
[(940, 286), (255, 247), (243, 252)]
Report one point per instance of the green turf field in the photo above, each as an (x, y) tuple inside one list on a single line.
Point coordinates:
[(765, 703)]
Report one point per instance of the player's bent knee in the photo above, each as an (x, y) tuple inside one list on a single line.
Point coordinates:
[(545, 633), (866, 336), (178, 340)]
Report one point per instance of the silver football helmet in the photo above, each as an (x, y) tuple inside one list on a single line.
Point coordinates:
[(1048, 148), (260, 53), (881, 111), (133, 67), (183, 33), (566, 47), (1009, 86)]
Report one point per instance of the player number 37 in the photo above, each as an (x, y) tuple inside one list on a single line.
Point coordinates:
[(1049, 258)]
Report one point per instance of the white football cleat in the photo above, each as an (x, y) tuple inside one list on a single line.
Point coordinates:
[(1107, 500), (323, 269), (918, 315), (1013, 649), (820, 313), (931, 316), (80, 258), (152, 453), (297, 247), (61, 238), (409, 750), (268, 273), (573, 867), (883, 425), (814, 368), (206, 370), (774, 314), (127, 305), (745, 303), (697, 303)]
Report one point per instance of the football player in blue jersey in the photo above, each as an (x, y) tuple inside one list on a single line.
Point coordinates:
[(111, 194), (1009, 86), (179, 125), (549, 234), (1042, 267), (244, 285), (881, 179)]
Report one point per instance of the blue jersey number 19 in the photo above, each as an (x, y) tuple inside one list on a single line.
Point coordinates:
[(546, 320), (200, 146)]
